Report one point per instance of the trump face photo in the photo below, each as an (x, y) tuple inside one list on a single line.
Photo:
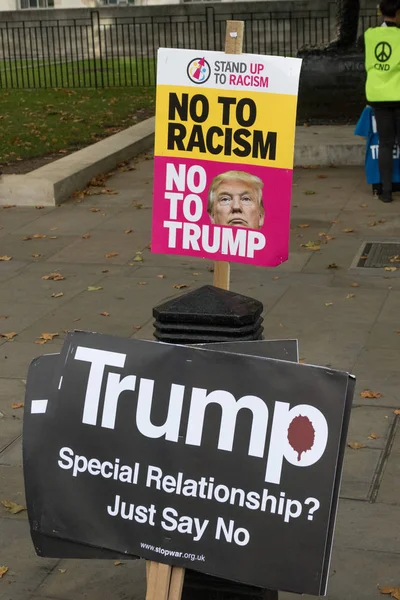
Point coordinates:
[(235, 199)]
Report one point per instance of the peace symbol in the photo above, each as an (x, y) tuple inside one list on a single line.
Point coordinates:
[(383, 52)]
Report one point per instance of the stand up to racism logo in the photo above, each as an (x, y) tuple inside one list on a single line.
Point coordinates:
[(199, 70)]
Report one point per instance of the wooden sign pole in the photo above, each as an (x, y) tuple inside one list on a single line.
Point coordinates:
[(163, 581), (233, 45)]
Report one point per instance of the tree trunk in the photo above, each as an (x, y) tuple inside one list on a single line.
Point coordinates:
[(347, 13)]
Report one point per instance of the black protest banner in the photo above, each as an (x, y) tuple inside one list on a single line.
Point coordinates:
[(218, 462), (39, 386)]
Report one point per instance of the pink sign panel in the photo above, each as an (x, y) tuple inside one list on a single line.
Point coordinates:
[(220, 211)]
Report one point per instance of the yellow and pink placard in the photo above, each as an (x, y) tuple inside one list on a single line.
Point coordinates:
[(224, 148)]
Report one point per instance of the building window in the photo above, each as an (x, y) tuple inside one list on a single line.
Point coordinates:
[(37, 4)]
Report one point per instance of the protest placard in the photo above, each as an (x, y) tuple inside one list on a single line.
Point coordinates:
[(140, 454), (224, 147)]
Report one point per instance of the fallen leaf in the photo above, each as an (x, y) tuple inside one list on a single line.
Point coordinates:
[(138, 257), (355, 285), (332, 266), (382, 221), (369, 394), (111, 254), (12, 507), (38, 236), (138, 206), (39, 206), (94, 288), (349, 296), (62, 571), (163, 276), (5, 258), (86, 236), (363, 205), (99, 180), (77, 319), (46, 337), (311, 246), (26, 238), (394, 592), (109, 191), (54, 277), (386, 268), (397, 411), (180, 286), (348, 230), (8, 336), (9, 206), (137, 327), (17, 405), (128, 230), (57, 295), (36, 255), (303, 226), (328, 303), (53, 228), (3, 569), (95, 210), (373, 436), (3, 316), (52, 237), (372, 224), (142, 282), (117, 563), (309, 193), (356, 445), (322, 176), (105, 314)]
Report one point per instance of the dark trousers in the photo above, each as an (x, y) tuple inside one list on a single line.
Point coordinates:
[(388, 125)]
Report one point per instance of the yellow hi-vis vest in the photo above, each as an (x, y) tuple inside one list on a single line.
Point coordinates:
[(382, 62)]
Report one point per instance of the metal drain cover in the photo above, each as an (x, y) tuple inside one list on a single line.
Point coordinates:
[(380, 254)]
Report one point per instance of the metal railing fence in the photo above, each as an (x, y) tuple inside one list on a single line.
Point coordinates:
[(121, 51)]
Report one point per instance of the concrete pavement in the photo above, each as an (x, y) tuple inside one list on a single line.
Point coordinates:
[(343, 316)]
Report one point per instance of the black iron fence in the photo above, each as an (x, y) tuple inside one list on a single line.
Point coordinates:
[(104, 51)]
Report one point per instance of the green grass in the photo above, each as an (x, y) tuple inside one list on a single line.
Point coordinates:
[(36, 123), (91, 73)]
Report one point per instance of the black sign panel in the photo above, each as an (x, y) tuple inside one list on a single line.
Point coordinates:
[(223, 463)]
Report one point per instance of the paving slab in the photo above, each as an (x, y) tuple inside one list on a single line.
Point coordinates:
[(26, 571), (12, 488), (389, 490), (12, 391), (67, 219), (100, 244), (15, 357), (85, 579)]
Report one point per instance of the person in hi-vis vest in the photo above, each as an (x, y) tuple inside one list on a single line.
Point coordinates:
[(382, 63)]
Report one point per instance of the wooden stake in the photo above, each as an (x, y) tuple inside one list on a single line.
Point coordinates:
[(233, 45), (177, 579)]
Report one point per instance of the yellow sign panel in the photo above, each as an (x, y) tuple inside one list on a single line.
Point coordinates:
[(226, 126)]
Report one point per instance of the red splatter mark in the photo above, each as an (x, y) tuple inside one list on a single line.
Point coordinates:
[(301, 435)]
